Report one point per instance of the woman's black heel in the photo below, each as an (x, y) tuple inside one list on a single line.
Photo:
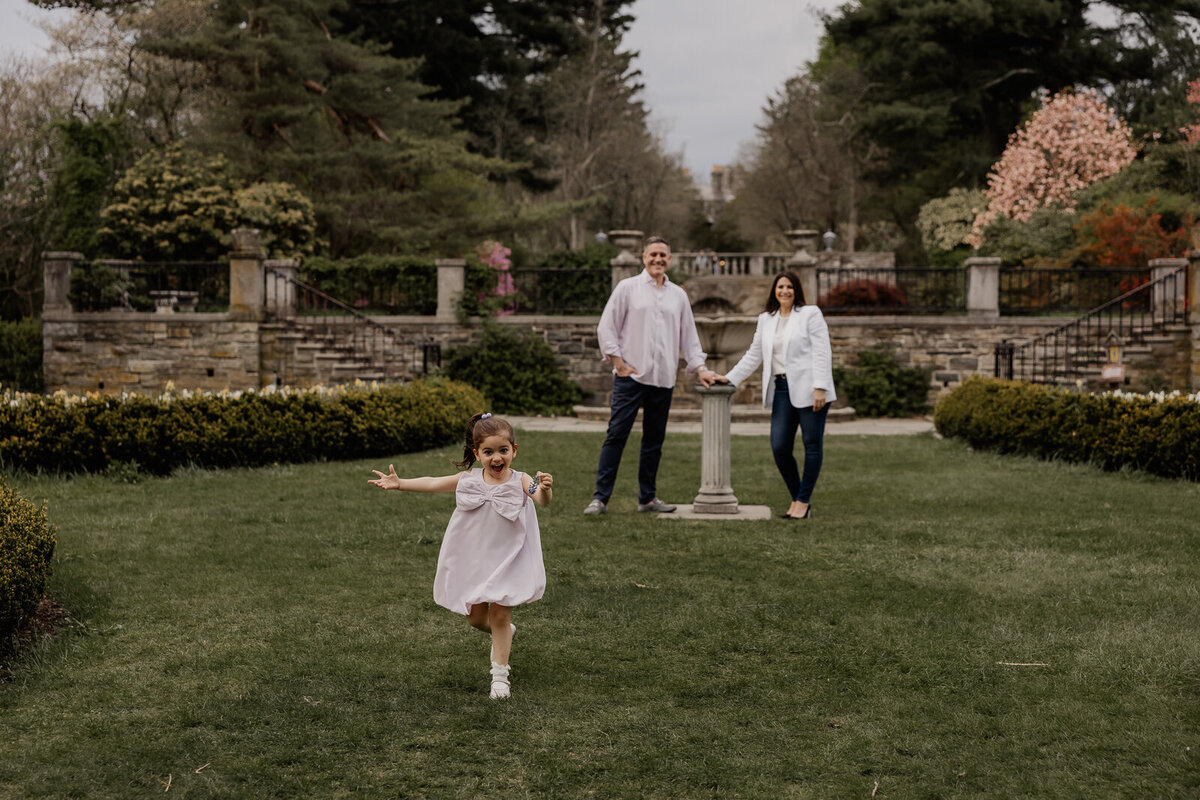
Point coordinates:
[(806, 515)]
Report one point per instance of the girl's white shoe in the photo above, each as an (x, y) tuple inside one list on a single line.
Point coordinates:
[(500, 686)]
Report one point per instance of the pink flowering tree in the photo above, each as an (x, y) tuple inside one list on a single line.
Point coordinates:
[(1192, 132), (498, 256), (1071, 142)]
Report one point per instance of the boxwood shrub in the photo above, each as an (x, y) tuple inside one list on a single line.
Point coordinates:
[(70, 433), (27, 543), (880, 387), (1156, 433)]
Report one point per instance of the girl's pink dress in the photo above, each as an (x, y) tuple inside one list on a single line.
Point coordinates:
[(492, 550)]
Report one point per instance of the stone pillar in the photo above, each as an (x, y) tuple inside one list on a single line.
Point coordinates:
[(56, 280), (1193, 299), (451, 283), (280, 291), (1167, 298), (804, 263), (757, 264), (983, 287), (247, 289), (716, 495), (627, 263)]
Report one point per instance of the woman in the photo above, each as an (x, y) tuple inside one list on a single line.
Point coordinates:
[(792, 344)]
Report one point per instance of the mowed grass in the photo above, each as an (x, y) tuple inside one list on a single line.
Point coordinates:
[(271, 633)]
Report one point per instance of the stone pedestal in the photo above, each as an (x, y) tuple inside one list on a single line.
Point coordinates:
[(627, 263), (716, 494), (451, 283)]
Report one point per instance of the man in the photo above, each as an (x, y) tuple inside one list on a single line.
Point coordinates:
[(646, 326)]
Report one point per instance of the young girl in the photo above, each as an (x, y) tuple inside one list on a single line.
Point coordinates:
[(491, 557)]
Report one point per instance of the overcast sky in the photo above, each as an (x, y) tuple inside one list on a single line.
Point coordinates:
[(708, 65)]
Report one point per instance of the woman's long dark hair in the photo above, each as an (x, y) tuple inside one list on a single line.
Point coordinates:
[(773, 302)]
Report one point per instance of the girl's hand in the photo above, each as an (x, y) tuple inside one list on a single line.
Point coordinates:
[(389, 481), (544, 480)]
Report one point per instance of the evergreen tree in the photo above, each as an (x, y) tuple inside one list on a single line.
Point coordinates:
[(491, 54), (296, 100)]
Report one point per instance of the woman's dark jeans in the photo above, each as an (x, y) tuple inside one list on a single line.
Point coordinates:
[(785, 418)]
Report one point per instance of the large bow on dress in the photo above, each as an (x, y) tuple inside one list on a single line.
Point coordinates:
[(472, 497)]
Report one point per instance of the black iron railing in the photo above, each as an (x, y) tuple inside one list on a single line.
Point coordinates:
[(145, 285), (1031, 291), (1065, 354), (544, 290), (899, 290)]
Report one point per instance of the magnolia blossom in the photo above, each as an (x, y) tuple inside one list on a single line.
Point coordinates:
[(1070, 143), (1192, 132), (497, 255)]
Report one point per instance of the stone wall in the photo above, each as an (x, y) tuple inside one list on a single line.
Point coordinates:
[(116, 351), (125, 351)]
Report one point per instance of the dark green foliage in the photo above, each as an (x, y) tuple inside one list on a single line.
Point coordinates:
[(593, 255), (93, 434), (1108, 431), (301, 101), (880, 387), (92, 154), (377, 284), (517, 371), (26, 547), (493, 54), (21, 355)]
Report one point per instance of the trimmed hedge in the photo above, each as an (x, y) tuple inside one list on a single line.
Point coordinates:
[(1156, 433), (27, 543), (92, 433)]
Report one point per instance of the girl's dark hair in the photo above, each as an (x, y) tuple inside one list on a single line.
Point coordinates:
[(773, 302), (480, 427)]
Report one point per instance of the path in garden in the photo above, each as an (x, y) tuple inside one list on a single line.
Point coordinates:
[(760, 427)]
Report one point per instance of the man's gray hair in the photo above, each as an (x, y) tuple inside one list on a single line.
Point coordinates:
[(655, 240)]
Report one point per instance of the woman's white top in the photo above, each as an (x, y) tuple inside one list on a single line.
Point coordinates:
[(779, 350), (807, 356)]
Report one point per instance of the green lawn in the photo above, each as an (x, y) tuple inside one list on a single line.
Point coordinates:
[(271, 633)]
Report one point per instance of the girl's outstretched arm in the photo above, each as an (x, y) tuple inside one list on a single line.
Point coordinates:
[(391, 480), (541, 483)]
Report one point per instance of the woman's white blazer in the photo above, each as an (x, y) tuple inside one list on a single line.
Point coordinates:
[(807, 357)]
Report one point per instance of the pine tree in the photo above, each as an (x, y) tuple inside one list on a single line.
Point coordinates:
[(296, 100)]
